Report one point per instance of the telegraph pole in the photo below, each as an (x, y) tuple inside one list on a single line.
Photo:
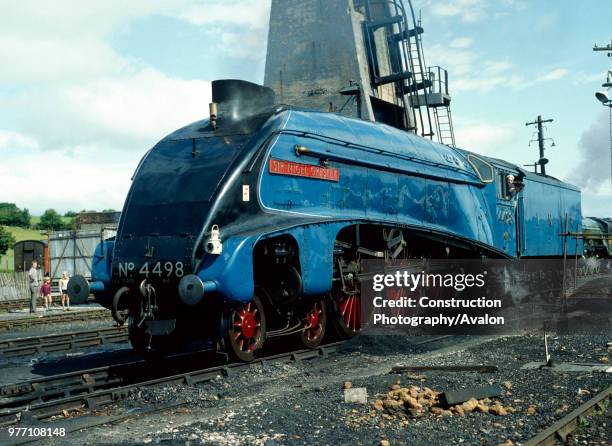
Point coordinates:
[(604, 96), (607, 48), (542, 161)]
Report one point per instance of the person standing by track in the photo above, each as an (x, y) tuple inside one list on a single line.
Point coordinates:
[(45, 290), (35, 277), (63, 287)]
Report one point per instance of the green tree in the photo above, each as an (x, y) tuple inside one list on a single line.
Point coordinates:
[(6, 241), (11, 215), (51, 221), (70, 214), (25, 220), (7, 213)]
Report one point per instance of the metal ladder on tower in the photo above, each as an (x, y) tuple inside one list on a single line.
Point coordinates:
[(409, 72), (419, 81), (444, 125), (432, 84), (424, 93)]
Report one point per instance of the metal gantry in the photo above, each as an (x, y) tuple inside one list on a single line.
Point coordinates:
[(422, 91)]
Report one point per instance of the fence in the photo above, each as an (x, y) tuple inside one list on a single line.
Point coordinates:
[(14, 286)]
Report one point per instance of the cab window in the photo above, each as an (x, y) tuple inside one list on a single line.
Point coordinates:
[(503, 192), (483, 169)]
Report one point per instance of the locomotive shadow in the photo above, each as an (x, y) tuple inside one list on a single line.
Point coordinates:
[(55, 364), (130, 367), (191, 357)]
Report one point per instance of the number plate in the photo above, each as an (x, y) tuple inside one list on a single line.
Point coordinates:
[(159, 269)]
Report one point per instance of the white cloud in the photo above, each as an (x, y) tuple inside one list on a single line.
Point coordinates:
[(127, 112), (63, 181), (17, 141), (554, 75), (483, 137), (65, 41), (27, 60), (471, 71), (595, 79), (77, 89), (457, 61), (501, 15), (496, 67), (492, 75), (547, 22), (68, 40), (139, 107), (81, 105), (466, 10), (238, 27), (461, 42), (598, 203), (485, 84), (252, 49), (253, 14), (471, 11), (518, 5)]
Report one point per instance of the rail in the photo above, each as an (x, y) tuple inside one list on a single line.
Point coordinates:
[(562, 428), (26, 322), (62, 342), (43, 398)]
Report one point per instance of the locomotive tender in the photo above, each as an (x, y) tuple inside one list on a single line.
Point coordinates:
[(252, 224)]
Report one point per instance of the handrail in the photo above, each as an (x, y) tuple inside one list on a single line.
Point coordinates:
[(376, 150), (387, 168)]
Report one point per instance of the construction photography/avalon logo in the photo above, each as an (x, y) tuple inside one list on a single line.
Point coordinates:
[(305, 222)]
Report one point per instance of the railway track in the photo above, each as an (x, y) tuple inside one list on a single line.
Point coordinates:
[(34, 400), (7, 305), (566, 425), (62, 342), (18, 304), (30, 321)]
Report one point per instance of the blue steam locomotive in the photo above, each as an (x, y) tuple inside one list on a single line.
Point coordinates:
[(253, 224)]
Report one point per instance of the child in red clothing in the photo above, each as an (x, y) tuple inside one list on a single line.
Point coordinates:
[(45, 290)]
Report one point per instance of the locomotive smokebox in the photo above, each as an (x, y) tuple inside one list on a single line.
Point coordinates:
[(237, 100)]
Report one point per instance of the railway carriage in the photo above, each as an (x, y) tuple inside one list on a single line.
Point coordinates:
[(28, 250), (253, 224)]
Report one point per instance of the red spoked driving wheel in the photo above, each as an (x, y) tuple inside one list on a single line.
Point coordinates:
[(315, 323), (348, 309), (247, 329)]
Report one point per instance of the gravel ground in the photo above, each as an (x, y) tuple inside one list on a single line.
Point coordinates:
[(295, 404)]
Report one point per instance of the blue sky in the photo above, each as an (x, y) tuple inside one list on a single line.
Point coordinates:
[(87, 87)]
